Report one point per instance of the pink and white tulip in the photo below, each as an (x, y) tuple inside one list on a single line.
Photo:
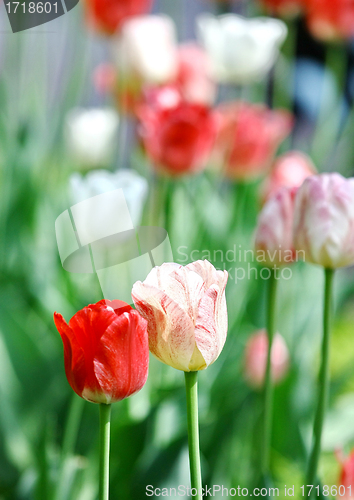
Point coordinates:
[(256, 359), (274, 233), (324, 220), (185, 308)]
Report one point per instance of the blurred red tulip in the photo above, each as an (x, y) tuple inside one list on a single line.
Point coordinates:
[(331, 19), (108, 16), (256, 359), (178, 136), (284, 8), (346, 477), (106, 351), (289, 170), (248, 137)]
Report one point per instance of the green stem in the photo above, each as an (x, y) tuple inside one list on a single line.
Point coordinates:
[(323, 381), (268, 384), (66, 471), (105, 424), (193, 431)]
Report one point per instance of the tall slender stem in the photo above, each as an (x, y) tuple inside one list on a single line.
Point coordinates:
[(105, 425), (268, 385), (323, 381), (193, 432)]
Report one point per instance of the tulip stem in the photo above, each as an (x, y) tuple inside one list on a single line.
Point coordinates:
[(323, 382), (193, 432), (105, 425), (268, 384)]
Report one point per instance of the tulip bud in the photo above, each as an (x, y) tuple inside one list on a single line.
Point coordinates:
[(256, 353), (289, 170), (274, 233), (106, 351), (346, 477), (248, 136), (241, 50), (324, 220), (185, 308)]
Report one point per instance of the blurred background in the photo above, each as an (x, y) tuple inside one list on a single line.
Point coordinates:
[(69, 107)]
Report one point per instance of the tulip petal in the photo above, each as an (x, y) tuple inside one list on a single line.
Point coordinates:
[(180, 285), (208, 273), (211, 324), (74, 360), (121, 363), (170, 328), (89, 325)]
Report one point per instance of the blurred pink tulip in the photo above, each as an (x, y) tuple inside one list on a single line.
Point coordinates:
[(185, 308), (104, 78), (274, 233), (248, 137), (194, 75), (256, 359), (324, 220), (178, 136), (346, 476), (289, 170)]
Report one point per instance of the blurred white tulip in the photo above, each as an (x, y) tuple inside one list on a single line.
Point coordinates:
[(91, 135), (241, 50), (146, 50), (135, 189)]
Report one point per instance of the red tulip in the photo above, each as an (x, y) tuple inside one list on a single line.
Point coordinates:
[(248, 137), (331, 19), (290, 170), (346, 477), (178, 136), (108, 16), (106, 351)]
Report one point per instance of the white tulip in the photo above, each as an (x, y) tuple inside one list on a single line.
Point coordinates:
[(97, 182), (241, 50), (92, 135), (146, 49)]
